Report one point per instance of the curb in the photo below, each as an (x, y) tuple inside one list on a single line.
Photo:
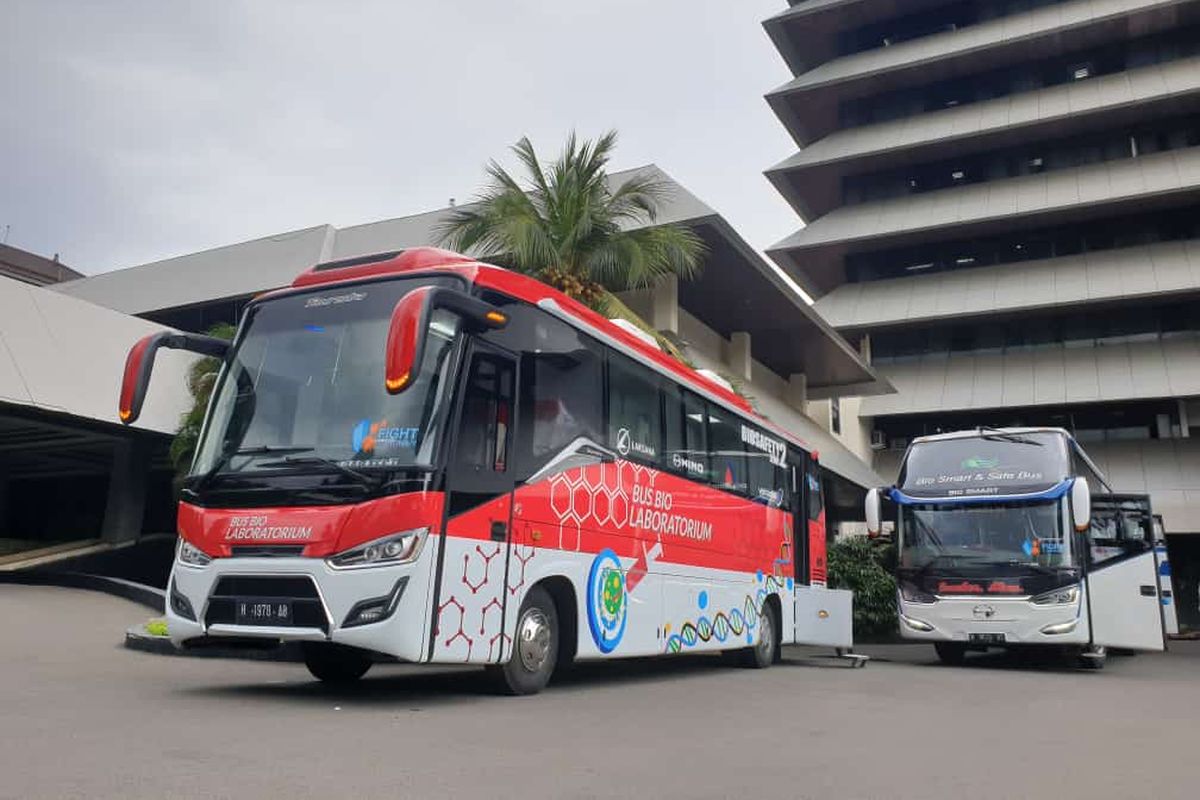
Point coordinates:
[(148, 596), (136, 638)]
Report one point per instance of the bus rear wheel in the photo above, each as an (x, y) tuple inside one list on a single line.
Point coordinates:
[(762, 653), (335, 663), (535, 648), (951, 653)]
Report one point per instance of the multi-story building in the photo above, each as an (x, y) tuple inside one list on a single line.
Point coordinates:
[(1002, 208)]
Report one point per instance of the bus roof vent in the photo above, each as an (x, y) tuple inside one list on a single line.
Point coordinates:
[(634, 330), (713, 377)]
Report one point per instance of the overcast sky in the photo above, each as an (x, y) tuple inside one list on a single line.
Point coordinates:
[(134, 131)]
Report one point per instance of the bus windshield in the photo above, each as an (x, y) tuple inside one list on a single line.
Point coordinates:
[(991, 463), (967, 539), (304, 388)]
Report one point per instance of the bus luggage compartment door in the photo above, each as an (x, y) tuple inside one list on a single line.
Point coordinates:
[(1124, 605), (824, 616)]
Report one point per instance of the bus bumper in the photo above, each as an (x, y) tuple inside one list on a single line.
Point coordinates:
[(990, 621), (382, 609)]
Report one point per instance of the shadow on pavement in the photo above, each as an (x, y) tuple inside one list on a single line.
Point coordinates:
[(404, 684)]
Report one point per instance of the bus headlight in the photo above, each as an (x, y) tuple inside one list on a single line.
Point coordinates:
[(193, 556), (1057, 597), (398, 548)]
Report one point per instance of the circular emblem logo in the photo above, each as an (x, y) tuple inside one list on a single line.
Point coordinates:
[(623, 441), (608, 601)]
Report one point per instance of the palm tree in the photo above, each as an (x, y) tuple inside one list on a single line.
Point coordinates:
[(201, 378), (569, 228)]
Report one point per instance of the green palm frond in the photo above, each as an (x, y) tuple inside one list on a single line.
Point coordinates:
[(564, 218)]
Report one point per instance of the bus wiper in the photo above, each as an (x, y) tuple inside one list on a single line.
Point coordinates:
[(257, 450), (299, 461), (996, 434)]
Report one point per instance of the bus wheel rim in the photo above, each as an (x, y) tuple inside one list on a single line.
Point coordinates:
[(533, 640), (766, 636)]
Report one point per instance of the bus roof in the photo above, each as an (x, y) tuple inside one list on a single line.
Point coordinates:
[(433, 260), (975, 432)]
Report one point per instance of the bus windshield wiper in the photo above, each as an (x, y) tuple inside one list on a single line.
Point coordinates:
[(257, 450), (300, 461), (996, 434)]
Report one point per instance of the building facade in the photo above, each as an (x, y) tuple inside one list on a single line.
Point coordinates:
[(1002, 208)]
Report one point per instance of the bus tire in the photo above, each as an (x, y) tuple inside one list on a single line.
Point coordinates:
[(951, 653), (762, 654), (335, 664), (535, 647), (1094, 657)]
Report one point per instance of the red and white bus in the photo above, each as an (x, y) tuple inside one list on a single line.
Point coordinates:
[(419, 457)]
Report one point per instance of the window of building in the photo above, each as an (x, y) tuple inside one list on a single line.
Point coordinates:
[(634, 411), (1078, 65)]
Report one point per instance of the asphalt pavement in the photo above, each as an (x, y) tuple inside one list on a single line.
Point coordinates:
[(81, 716)]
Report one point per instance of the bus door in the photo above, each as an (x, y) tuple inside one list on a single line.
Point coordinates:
[(1122, 574), (1165, 587), (797, 462), (471, 599), (823, 616)]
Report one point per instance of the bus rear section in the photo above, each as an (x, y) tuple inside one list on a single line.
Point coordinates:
[(425, 459), (1001, 542)]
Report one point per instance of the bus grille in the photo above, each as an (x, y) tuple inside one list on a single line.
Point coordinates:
[(266, 550), (307, 609)]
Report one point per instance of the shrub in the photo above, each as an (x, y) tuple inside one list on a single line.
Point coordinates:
[(863, 565)]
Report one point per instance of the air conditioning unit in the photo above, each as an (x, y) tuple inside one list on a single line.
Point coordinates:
[(878, 440), (899, 443)]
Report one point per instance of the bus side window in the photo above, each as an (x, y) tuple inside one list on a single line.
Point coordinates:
[(487, 405), (727, 451), (768, 482), (1117, 532), (686, 441), (561, 392), (634, 411), (812, 486)]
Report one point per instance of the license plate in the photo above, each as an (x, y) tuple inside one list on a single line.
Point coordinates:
[(262, 611), (985, 638)]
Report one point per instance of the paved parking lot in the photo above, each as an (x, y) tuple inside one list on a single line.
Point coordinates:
[(83, 717)]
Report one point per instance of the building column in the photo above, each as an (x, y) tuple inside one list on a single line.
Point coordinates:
[(1183, 419), (738, 356), (126, 505), (664, 305), (797, 392)]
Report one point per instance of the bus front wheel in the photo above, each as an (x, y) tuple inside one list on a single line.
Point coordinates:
[(1093, 657), (951, 653), (535, 648), (335, 663)]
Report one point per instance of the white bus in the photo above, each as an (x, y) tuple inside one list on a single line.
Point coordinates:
[(1012, 537)]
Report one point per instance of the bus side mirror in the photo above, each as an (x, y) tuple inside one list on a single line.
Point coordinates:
[(410, 323), (1081, 504), (874, 509), (140, 363)]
